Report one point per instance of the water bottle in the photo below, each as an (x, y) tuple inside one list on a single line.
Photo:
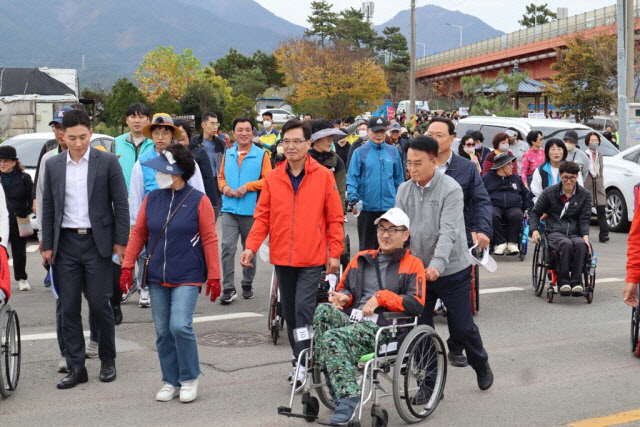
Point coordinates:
[(358, 208), (525, 234), (594, 263), (115, 259)]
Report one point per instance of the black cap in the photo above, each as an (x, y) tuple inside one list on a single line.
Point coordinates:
[(377, 123), (8, 152), (502, 159), (572, 136)]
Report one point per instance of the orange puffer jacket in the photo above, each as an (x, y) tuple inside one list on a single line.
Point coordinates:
[(302, 227)]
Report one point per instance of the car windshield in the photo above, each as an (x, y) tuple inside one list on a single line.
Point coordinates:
[(606, 147), (28, 150)]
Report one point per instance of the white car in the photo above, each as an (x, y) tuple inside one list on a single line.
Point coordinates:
[(29, 145), (621, 174), (280, 115)]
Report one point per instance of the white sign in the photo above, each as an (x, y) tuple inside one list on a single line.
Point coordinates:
[(463, 111), (536, 115), (356, 316), (303, 334)]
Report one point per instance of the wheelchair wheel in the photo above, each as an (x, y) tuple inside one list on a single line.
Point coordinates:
[(419, 374), (635, 329), (10, 351), (323, 391), (275, 311), (589, 282), (539, 267)]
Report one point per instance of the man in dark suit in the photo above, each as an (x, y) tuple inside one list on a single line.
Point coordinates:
[(85, 220)]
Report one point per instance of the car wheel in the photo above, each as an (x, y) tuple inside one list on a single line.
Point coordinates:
[(616, 208)]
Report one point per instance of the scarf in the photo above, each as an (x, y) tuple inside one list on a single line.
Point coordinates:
[(7, 177)]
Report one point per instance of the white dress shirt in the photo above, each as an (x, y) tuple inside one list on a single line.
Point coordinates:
[(76, 193), (443, 169)]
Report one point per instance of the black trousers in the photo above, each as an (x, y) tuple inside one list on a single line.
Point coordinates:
[(367, 234), (602, 221), (455, 292), (298, 287), (508, 234), (571, 253), (79, 269), (18, 250)]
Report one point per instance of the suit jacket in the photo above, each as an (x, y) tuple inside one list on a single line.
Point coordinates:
[(108, 204)]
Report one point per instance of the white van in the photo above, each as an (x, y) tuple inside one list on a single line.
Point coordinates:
[(403, 106)]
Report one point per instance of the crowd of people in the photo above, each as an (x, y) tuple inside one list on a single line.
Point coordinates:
[(159, 195)]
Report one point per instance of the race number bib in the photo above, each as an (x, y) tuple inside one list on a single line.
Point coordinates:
[(356, 316), (303, 334)]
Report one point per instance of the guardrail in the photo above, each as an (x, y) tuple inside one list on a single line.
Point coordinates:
[(573, 24)]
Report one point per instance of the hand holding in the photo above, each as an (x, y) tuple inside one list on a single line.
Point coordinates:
[(213, 289), (228, 191), (431, 274), (47, 257), (241, 191), (535, 236), (370, 306), (482, 240), (126, 280), (246, 257), (630, 294), (333, 265)]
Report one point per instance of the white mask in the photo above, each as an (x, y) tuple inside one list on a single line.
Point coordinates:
[(469, 150), (266, 123), (363, 134), (164, 180), (504, 147), (570, 146), (478, 145), (279, 149)]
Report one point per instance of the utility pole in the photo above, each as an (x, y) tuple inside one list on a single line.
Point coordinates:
[(412, 70), (626, 44)]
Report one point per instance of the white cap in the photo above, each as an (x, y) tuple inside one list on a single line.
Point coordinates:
[(395, 216)]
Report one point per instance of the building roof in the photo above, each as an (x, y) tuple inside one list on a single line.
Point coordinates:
[(30, 81)]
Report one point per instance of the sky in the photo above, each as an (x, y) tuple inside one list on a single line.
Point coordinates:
[(500, 14)]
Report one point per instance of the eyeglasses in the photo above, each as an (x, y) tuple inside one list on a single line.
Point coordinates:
[(8, 161), (296, 142), (411, 165), (391, 231), (214, 123), (470, 145), (161, 132), (569, 178)]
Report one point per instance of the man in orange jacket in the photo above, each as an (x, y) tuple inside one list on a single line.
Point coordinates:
[(300, 210)]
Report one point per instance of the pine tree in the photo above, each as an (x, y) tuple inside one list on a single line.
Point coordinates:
[(537, 15), (322, 20)]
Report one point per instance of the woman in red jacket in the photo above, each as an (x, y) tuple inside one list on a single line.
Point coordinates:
[(630, 293), (176, 223)]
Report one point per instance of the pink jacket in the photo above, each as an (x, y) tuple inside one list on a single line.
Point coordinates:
[(530, 161)]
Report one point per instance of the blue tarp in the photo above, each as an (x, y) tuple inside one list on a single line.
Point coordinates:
[(382, 111)]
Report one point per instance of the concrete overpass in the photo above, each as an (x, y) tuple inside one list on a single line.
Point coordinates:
[(532, 48)]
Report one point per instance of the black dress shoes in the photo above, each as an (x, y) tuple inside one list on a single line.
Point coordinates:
[(485, 377), (604, 239), (107, 371), (76, 376), (456, 358), (117, 314)]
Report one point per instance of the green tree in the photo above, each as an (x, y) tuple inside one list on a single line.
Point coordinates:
[(537, 15), (166, 103), (123, 93), (239, 106), (202, 96), (99, 95), (322, 21), (583, 80), (251, 82), (268, 64), (352, 29), (394, 45), (229, 64), (163, 69), (485, 97)]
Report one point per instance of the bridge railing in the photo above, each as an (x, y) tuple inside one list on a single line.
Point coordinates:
[(573, 24)]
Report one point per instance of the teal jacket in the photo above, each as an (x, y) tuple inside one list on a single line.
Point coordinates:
[(128, 153), (235, 177)]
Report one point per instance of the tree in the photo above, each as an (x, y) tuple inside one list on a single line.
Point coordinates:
[(166, 103), (584, 80), (229, 64), (240, 106), (331, 81), (251, 83), (394, 46), (163, 69), (220, 84), (322, 21), (268, 64), (123, 93), (485, 99), (99, 95), (202, 96), (352, 29), (537, 15)]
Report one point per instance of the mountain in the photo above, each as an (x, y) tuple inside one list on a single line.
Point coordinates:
[(433, 31), (114, 36)]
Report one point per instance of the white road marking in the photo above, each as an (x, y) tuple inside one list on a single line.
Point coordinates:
[(608, 280), (52, 335), (499, 290), (32, 248)]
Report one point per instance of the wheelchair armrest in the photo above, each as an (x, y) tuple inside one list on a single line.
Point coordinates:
[(388, 315)]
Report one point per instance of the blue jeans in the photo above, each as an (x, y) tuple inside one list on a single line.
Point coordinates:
[(172, 312)]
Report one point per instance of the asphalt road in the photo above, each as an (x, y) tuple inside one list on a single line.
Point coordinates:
[(554, 364)]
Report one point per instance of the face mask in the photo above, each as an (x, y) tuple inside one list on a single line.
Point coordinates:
[(469, 150), (478, 145), (266, 123), (164, 180), (570, 145), (280, 149), (593, 146), (503, 147), (363, 134)]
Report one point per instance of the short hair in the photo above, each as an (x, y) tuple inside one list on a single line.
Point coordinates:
[(557, 142), (79, 106), (532, 136), (450, 126), (588, 137), (297, 124), (75, 118), (208, 115), (424, 143), (138, 108), (569, 167), (183, 157), (350, 120), (241, 120), (268, 114), (463, 141), (185, 125), (308, 114), (498, 138), (477, 135)]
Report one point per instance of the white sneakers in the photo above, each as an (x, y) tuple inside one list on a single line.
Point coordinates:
[(92, 350), (299, 378), (577, 289), (62, 367), (512, 248), (145, 300), (24, 285), (565, 288), (189, 391), (499, 249), (167, 393)]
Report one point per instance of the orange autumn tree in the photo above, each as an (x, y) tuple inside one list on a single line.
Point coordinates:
[(331, 81), (163, 69)]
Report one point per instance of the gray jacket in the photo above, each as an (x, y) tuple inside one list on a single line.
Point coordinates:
[(438, 235), (581, 158)]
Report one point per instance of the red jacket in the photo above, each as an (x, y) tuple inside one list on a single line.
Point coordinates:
[(303, 227), (633, 251), (5, 276)]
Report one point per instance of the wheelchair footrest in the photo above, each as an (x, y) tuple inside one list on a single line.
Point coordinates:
[(283, 410), (564, 293)]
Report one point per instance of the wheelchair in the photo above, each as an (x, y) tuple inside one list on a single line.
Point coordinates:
[(441, 310), (543, 269), (413, 352), (522, 240), (10, 350), (635, 329)]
